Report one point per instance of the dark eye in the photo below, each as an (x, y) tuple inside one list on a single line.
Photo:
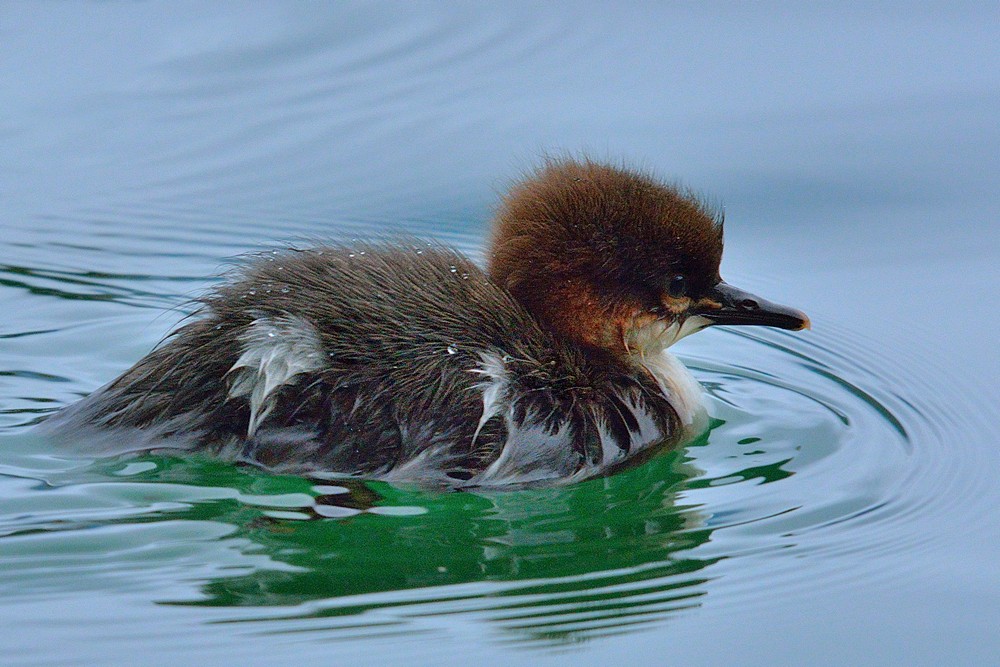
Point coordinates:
[(677, 287)]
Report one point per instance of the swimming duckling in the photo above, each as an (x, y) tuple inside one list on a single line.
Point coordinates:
[(408, 362)]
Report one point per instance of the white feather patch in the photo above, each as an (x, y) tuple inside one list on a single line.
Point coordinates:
[(275, 350), (494, 388), (530, 454)]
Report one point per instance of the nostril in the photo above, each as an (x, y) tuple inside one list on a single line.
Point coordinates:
[(749, 304)]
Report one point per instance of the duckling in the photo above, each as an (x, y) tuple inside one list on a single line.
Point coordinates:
[(407, 362)]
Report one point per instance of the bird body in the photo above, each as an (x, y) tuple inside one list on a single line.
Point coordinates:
[(408, 362)]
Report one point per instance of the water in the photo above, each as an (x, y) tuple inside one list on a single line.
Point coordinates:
[(842, 509)]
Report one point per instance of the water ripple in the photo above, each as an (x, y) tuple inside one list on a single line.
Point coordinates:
[(814, 453)]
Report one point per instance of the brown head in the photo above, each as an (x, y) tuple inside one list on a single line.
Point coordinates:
[(618, 261)]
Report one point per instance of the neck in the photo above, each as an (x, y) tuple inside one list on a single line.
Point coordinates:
[(680, 387), (578, 315)]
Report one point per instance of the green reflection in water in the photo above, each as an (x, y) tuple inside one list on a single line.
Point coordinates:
[(545, 566), (556, 564)]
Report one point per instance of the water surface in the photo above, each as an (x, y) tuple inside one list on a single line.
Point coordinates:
[(841, 509)]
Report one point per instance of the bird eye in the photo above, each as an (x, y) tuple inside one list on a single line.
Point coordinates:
[(677, 287)]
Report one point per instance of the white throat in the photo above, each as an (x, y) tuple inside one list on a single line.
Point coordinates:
[(658, 335)]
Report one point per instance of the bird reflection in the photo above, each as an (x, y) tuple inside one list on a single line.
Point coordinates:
[(551, 565)]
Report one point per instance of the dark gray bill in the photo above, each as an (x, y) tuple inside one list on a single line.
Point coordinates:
[(730, 305)]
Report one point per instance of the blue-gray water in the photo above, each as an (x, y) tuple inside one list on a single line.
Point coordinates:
[(844, 509)]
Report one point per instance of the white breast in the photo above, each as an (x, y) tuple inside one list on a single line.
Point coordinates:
[(683, 391)]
